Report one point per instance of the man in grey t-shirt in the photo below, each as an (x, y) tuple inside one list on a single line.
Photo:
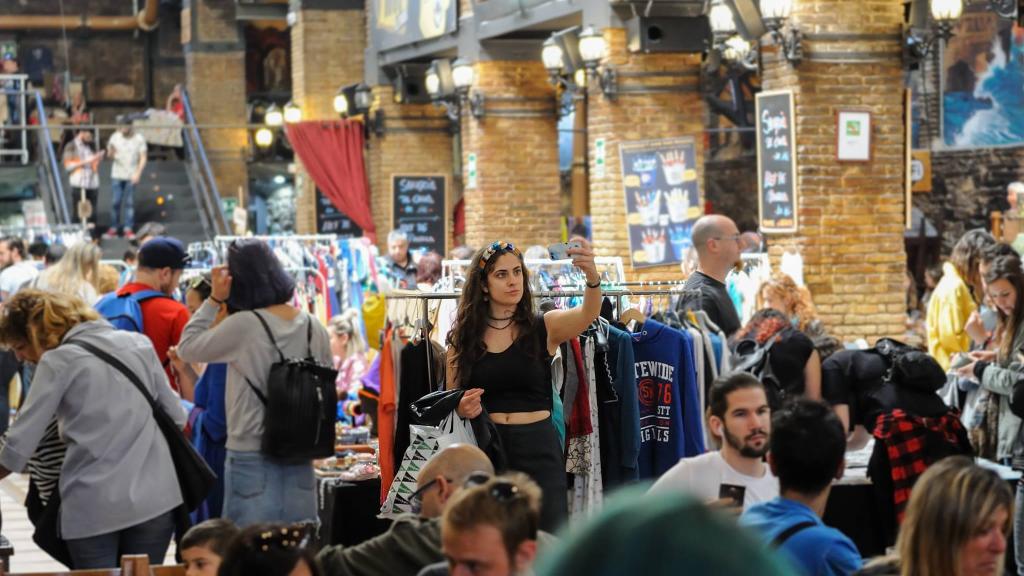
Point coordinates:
[(717, 240)]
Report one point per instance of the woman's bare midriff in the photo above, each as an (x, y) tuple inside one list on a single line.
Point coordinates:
[(519, 417)]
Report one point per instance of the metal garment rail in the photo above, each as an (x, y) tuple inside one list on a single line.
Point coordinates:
[(426, 297)]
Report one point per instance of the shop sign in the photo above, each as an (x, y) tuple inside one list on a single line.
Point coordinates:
[(921, 171), (420, 209), (776, 162), (401, 22), (663, 199), (331, 220)]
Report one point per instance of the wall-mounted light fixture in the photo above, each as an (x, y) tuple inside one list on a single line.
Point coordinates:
[(920, 38), (727, 42), (441, 87), (593, 49), (562, 60), (356, 100), (341, 103), (292, 113), (264, 137), (273, 117), (775, 14)]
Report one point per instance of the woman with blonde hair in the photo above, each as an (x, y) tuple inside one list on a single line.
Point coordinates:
[(76, 274), (956, 524), (118, 488), (348, 349)]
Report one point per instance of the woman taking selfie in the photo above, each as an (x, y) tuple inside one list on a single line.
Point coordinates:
[(499, 350)]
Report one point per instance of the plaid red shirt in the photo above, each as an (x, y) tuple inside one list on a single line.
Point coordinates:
[(904, 436)]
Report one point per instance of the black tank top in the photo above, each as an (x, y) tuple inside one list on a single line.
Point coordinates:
[(519, 378)]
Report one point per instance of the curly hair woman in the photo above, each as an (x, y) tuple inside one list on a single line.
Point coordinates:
[(499, 350), (118, 489), (794, 361), (781, 293)]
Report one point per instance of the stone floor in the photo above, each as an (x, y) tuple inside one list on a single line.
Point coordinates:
[(16, 527)]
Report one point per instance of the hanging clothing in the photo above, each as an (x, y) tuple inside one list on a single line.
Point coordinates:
[(415, 385), (620, 360), (670, 411), (386, 417), (587, 485)]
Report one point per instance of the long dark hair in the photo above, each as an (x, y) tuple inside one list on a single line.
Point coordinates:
[(1008, 268), (466, 339)]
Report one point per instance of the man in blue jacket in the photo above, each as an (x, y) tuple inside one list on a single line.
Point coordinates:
[(808, 447)]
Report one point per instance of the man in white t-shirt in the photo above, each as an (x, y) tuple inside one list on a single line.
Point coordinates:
[(17, 270), (741, 419), (128, 151)]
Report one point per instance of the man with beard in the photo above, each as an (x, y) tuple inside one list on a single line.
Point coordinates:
[(736, 475), (808, 448)]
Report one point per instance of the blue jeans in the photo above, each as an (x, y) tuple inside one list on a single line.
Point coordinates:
[(124, 193), (260, 489), (104, 551)]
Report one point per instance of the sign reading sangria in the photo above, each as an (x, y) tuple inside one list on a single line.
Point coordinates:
[(663, 199), (776, 162)]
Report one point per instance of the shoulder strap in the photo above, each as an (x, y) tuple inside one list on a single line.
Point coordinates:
[(309, 336), (266, 328), (788, 533), (143, 295), (119, 366)]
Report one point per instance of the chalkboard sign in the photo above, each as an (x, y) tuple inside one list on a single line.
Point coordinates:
[(419, 205), (776, 162), (331, 220), (659, 179)]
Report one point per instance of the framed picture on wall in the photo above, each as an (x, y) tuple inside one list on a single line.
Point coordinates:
[(853, 136)]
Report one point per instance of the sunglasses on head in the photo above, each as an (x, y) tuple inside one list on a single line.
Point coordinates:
[(494, 248), (296, 536)]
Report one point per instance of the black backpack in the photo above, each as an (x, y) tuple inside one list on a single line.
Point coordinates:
[(754, 358), (300, 404)]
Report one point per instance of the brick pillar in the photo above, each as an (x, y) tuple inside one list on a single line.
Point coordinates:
[(417, 139), (215, 75), (634, 117), (517, 193), (327, 53), (851, 215)]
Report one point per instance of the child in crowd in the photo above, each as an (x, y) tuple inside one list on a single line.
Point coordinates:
[(204, 545)]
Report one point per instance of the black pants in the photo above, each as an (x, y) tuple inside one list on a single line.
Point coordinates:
[(535, 450)]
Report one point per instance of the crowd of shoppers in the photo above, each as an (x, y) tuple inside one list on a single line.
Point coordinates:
[(104, 469)]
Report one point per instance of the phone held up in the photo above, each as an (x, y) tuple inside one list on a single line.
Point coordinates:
[(560, 250), (736, 493)]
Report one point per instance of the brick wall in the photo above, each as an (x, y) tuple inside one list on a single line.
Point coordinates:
[(633, 117), (517, 197), (400, 151), (327, 53), (851, 215), (216, 83)]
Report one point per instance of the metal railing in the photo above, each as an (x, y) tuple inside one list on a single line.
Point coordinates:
[(15, 85), (51, 166), (210, 201)]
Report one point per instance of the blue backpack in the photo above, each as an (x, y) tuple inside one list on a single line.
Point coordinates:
[(125, 312)]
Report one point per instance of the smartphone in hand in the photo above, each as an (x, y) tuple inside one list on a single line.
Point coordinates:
[(733, 491), (560, 250)]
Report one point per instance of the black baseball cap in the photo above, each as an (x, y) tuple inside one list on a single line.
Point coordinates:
[(163, 252)]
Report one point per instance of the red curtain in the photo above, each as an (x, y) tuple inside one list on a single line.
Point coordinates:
[(332, 153)]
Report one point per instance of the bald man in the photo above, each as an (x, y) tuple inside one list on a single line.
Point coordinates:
[(414, 540), (717, 241)]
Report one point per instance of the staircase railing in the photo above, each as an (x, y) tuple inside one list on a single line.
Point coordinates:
[(51, 166), (215, 220)]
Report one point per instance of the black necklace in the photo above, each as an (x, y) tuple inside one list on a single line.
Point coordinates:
[(496, 318), (510, 322)]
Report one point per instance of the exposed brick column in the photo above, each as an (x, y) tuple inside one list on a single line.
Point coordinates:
[(633, 117), (215, 74), (417, 140), (851, 216), (327, 53), (517, 196)]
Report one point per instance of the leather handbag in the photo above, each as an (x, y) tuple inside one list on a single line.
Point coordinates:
[(434, 407), (195, 477)]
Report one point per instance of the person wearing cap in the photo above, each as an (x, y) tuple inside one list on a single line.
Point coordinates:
[(161, 261), (128, 151)]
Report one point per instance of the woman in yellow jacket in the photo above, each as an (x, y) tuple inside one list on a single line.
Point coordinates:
[(953, 302)]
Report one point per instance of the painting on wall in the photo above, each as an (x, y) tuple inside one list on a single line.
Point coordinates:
[(983, 81)]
